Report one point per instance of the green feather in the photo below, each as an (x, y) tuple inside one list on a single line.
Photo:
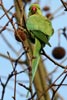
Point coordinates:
[(40, 29), (38, 9), (41, 37), (36, 54), (39, 22)]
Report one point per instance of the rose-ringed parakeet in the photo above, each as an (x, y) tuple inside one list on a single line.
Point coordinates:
[(40, 30)]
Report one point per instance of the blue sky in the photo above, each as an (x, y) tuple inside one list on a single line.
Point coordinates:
[(5, 65)]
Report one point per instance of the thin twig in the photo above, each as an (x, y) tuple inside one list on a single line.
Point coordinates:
[(15, 86), (64, 4), (7, 28), (4, 27), (13, 59), (9, 44), (10, 76), (10, 19), (7, 12), (58, 87), (16, 61), (52, 84), (61, 66), (59, 84), (32, 96), (8, 79), (24, 86)]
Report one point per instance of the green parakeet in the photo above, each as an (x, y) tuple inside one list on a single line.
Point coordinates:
[(40, 30)]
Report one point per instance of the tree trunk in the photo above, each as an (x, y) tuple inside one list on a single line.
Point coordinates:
[(40, 77)]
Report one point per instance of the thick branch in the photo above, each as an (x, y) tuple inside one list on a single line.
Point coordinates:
[(39, 81)]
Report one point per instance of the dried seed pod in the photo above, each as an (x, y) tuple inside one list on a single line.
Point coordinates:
[(58, 52), (46, 8), (20, 35), (49, 15)]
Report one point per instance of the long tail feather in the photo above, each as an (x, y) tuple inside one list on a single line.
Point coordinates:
[(35, 61)]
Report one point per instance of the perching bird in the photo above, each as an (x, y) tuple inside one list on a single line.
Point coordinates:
[(40, 30)]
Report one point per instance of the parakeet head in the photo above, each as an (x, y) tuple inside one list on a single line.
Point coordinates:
[(34, 9)]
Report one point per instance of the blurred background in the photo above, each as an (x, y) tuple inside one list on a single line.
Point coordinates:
[(11, 49)]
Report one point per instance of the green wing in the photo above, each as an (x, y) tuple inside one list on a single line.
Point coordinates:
[(41, 37), (41, 23), (40, 29)]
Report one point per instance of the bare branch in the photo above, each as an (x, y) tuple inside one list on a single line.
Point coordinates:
[(43, 53)]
